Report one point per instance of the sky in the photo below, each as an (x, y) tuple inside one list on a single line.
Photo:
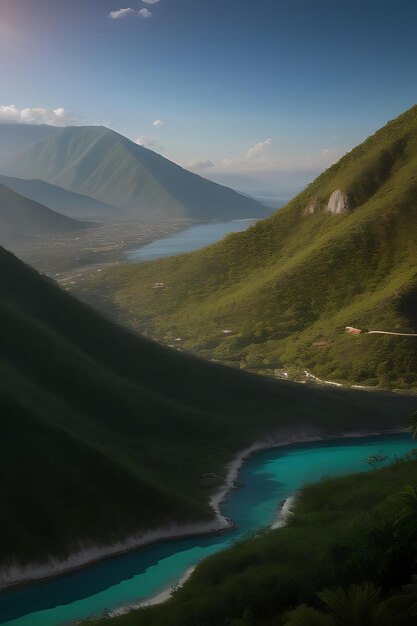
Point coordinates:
[(261, 95)]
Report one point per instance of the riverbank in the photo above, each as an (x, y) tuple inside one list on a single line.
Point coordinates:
[(160, 598), (344, 533), (284, 513), (17, 575)]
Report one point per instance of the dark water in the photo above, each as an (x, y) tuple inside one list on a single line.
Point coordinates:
[(267, 478)]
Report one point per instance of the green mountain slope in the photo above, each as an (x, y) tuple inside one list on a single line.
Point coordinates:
[(343, 252), (109, 167), (66, 202), (21, 217), (105, 433)]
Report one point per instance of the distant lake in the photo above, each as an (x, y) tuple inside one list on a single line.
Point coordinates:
[(192, 238)]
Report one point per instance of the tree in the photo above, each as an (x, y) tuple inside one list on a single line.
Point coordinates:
[(408, 501), (305, 615), (359, 605)]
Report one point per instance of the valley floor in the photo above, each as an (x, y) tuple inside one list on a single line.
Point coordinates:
[(68, 258)]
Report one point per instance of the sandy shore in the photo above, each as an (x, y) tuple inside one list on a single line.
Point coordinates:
[(283, 515), (16, 574), (163, 596), (285, 512)]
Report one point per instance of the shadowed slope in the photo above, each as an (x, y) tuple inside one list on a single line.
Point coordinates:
[(105, 433), (68, 203), (21, 217)]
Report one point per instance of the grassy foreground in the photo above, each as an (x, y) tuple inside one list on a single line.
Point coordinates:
[(285, 289), (343, 532)]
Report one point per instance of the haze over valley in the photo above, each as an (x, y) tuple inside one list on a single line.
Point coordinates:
[(129, 194)]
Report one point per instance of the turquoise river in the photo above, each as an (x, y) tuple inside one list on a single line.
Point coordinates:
[(266, 479)]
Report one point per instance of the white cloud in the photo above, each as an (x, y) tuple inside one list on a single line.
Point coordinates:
[(327, 152), (36, 115), (148, 142), (331, 155), (200, 164), (9, 113), (117, 15), (158, 123), (258, 150), (260, 159), (256, 157)]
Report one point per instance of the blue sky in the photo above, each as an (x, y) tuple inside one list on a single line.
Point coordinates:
[(257, 94)]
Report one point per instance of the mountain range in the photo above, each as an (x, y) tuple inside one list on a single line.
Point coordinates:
[(277, 297), (102, 164), (62, 201), (106, 434), (16, 138), (22, 218)]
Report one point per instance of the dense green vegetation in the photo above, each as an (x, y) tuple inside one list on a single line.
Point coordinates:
[(100, 163), (21, 217), (346, 557), (287, 287), (105, 433)]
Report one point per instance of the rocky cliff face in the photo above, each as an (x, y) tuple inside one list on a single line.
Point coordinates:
[(338, 203)]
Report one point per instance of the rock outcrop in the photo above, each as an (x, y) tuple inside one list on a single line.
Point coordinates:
[(338, 203), (312, 208)]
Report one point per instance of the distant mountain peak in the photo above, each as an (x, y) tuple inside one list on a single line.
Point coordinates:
[(102, 164)]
